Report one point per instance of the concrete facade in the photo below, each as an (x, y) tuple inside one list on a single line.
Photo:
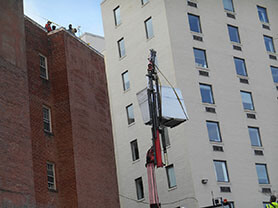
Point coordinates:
[(94, 41), (190, 151)]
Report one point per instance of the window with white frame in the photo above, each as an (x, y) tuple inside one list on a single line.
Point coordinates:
[(51, 176), (171, 176), (240, 66), (221, 171), (46, 119), (139, 188), (233, 33), (206, 93), (213, 131), (134, 150), (149, 28), (117, 16), (200, 58), (194, 23), (43, 67), (269, 44), (274, 71), (228, 5)]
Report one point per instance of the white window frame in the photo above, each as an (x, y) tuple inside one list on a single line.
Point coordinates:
[(51, 185), (125, 80), (130, 120), (47, 120), (117, 16), (172, 182), (137, 187), (149, 28), (45, 67), (224, 170), (133, 150)]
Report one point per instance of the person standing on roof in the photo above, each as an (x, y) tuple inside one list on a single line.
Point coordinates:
[(272, 203), (70, 29), (48, 26)]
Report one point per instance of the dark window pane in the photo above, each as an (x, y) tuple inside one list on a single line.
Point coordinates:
[(240, 66), (228, 5), (274, 71), (213, 131), (247, 100), (125, 79), (262, 174), (134, 150), (200, 58), (194, 23), (117, 16), (121, 46), (269, 44), (139, 188), (130, 114), (206, 93), (233, 33), (254, 136), (149, 28), (144, 1), (221, 171), (262, 14)]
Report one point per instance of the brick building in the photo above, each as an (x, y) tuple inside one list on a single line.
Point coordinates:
[(56, 143)]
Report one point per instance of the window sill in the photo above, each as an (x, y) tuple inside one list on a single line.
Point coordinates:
[(250, 111), (48, 133), (149, 39), (217, 143), (230, 12), (209, 105), (272, 53), (136, 161), (172, 189), (53, 190), (197, 33), (242, 76), (126, 91), (223, 183), (142, 5), (121, 58), (202, 68), (257, 147), (236, 44), (140, 200), (132, 124), (268, 185), (44, 78), (116, 26)]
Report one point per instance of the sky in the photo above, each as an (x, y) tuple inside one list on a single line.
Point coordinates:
[(84, 13)]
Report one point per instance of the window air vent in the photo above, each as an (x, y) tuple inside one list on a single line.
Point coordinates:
[(196, 37), (251, 115), (265, 26), (192, 4), (210, 110), (225, 189), (218, 148), (238, 48), (266, 190), (272, 57), (203, 73), (231, 15), (245, 81), (258, 152)]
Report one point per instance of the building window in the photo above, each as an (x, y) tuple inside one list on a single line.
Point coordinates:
[(262, 14), (269, 44), (240, 66), (125, 80), (144, 1), (121, 47), (171, 176), (214, 131), (206, 93), (134, 150), (200, 58), (274, 71), (233, 33), (43, 67), (117, 16), (254, 135), (46, 119), (262, 173), (130, 114), (228, 5), (166, 135), (139, 188), (194, 23), (221, 171), (51, 176), (149, 28), (247, 100)]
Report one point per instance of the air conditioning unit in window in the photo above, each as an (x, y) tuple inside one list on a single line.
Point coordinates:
[(172, 104)]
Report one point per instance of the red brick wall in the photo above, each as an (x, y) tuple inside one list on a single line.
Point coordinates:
[(16, 169), (91, 127)]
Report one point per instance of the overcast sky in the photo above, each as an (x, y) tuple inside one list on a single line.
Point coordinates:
[(84, 13)]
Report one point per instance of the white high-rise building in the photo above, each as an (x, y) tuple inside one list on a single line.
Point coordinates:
[(222, 55)]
